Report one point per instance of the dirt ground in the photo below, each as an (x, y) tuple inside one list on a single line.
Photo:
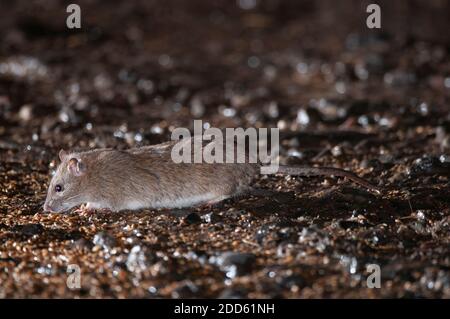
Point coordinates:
[(374, 102)]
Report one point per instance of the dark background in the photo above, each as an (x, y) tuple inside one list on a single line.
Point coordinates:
[(372, 101)]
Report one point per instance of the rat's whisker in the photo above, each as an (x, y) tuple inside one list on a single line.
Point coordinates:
[(73, 197)]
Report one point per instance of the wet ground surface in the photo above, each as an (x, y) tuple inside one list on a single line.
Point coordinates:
[(371, 103)]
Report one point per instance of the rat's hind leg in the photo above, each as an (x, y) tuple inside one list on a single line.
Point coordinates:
[(228, 189), (217, 202), (261, 192), (234, 193), (221, 195)]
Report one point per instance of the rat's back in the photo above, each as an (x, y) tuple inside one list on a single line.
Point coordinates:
[(148, 177)]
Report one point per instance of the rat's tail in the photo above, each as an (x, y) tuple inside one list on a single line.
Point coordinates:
[(326, 171)]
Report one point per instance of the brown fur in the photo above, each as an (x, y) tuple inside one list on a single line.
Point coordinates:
[(143, 177)]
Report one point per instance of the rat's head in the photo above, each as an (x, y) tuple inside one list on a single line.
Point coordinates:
[(66, 187)]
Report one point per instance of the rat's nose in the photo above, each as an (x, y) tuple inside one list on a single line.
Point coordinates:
[(47, 207)]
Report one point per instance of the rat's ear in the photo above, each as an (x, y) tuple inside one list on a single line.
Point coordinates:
[(76, 167), (62, 155)]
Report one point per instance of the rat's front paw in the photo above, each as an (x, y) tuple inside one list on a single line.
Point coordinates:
[(85, 209)]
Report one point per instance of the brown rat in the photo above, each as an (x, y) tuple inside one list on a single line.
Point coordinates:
[(147, 177)]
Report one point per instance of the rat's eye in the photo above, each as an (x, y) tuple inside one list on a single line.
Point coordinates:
[(58, 188)]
